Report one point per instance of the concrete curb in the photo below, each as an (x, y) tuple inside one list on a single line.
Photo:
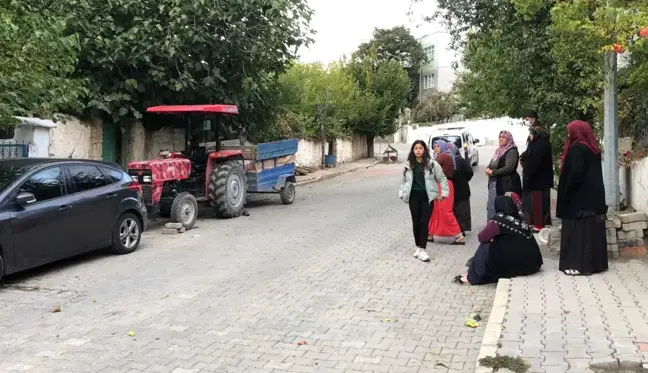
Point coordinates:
[(494, 326), (335, 174)]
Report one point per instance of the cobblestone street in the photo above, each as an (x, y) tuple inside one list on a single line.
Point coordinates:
[(333, 270)]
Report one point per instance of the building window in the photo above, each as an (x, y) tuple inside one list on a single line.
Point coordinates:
[(429, 53), (429, 82)]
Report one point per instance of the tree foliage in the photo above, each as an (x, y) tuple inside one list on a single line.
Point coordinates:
[(385, 88), (309, 94), (142, 53), (397, 44), (545, 55), (438, 107), (36, 64)]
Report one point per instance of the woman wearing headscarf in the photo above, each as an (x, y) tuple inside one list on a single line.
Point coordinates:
[(507, 248), (462, 174), (443, 147), (520, 209), (581, 203), (502, 172), (443, 224), (537, 178)]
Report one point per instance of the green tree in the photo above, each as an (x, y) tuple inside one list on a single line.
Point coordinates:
[(384, 87), (438, 107), (36, 63), (398, 44), (149, 52), (306, 89)]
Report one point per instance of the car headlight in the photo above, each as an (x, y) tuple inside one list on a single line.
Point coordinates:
[(134, 178), (147, 178)]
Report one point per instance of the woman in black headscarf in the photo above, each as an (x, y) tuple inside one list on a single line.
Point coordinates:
[(508, 248)]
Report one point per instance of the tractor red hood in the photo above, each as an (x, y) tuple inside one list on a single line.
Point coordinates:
[(163, 169)]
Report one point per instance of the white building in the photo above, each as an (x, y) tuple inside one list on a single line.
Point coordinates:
[(437, 73)]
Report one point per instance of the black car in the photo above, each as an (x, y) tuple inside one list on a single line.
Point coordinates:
[(52, 209)]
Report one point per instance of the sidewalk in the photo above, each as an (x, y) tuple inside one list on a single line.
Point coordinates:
[(342, 168), (559, 323)]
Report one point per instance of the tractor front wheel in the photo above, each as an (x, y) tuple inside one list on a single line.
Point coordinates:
[(227, 189), (184, 210)]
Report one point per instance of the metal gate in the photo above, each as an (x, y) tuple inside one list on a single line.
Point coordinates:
[(12, 151)]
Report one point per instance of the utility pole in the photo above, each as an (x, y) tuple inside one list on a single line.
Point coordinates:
[(610, 133)]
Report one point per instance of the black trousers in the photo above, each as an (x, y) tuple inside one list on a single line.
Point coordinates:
[(421, 210)]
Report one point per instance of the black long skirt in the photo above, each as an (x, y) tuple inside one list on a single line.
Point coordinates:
[(461, 210), (479, 273), (583, 245)]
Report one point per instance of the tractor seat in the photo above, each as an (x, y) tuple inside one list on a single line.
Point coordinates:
[(198, 154)]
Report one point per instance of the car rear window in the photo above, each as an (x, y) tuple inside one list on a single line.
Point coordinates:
[(114, 176)]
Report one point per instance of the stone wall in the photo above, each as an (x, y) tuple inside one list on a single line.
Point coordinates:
[(625, 234), (81, 138)]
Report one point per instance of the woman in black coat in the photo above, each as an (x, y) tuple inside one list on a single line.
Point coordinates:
[(537, 178), (581, 204), (462, 174)]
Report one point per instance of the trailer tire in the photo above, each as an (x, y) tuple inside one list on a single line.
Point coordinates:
[(184, 210), (227, 189), (287, 193)]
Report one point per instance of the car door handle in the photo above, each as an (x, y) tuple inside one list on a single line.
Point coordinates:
[(111, 196), (64, 207)]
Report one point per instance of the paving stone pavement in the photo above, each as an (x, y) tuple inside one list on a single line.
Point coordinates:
[(560, 323), (334, 269)]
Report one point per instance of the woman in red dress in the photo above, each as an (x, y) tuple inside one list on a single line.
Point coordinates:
[(443, 224)]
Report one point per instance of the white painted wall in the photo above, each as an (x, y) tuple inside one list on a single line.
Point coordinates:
[(37, 138), (309, 153)]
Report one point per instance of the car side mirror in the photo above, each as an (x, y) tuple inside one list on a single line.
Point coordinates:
[(476, 141), (25, 198)]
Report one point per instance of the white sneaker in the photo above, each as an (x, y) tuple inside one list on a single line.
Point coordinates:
[(417, 253), (424, 256)]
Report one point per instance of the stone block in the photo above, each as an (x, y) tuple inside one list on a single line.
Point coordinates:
[(633, 252), (638, 225), (632, 217), (623, 235), (173, 225), (169, 231), (612, 239), (613, 248), (613, 223), (630, 242), (630, 362), (611, 232)]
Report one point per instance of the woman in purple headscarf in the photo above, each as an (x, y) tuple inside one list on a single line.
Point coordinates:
[(502, 172)]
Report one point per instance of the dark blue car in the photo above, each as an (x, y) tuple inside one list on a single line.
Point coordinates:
[(52, 209)]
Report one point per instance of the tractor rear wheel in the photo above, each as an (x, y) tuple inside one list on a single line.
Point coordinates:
[(227, 189)]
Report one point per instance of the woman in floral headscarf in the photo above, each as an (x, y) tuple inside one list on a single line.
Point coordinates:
[(502, 171)]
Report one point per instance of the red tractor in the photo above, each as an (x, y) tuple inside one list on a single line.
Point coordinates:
[(174, 184)]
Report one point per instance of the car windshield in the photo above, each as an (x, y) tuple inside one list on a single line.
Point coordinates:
[(449, 138), (10, 172)]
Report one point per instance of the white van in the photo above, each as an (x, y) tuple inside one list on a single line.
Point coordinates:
[(462, 139)]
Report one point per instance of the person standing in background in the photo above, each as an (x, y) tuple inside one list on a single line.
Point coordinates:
[(463, 173), (537, 179), (502, 171), (581, 203)]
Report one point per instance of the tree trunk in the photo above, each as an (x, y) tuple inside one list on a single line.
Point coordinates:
[(332, 147), (370, 146)]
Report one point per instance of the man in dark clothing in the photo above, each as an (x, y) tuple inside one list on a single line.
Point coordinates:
[(537, 176)]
